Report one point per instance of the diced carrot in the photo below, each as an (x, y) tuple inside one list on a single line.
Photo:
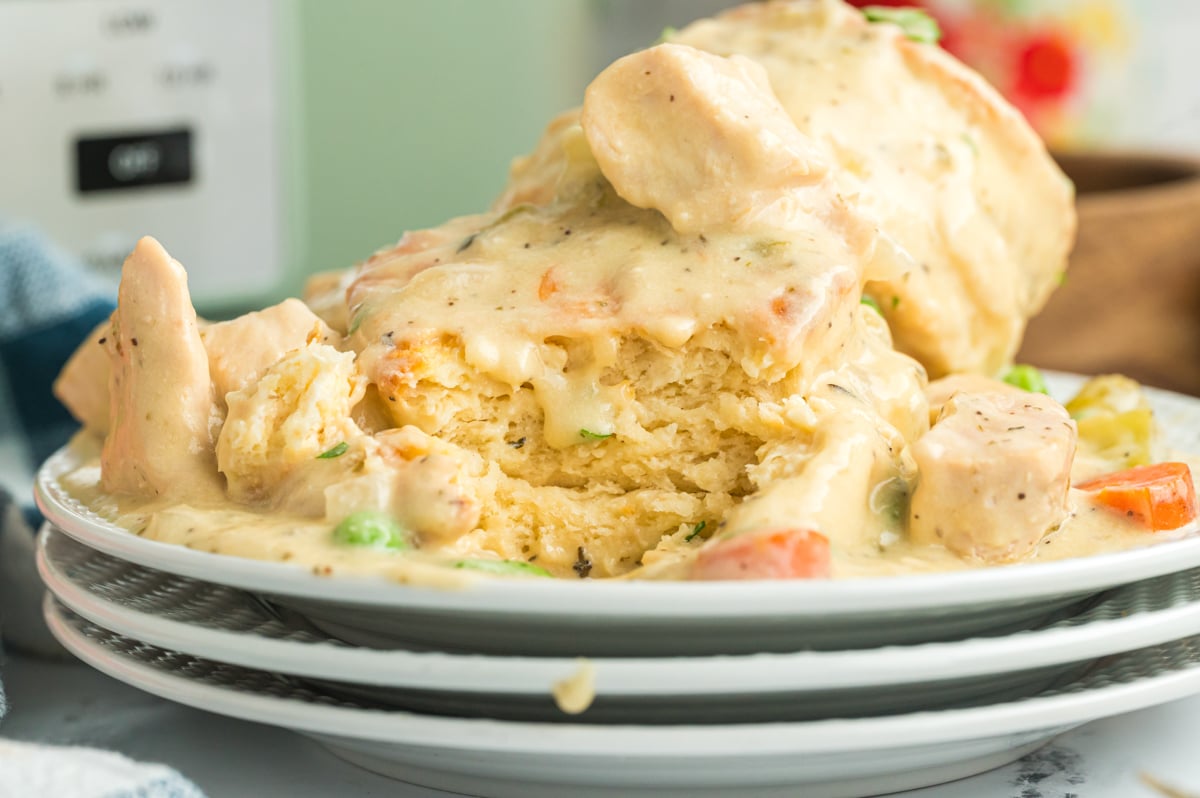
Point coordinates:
[(547, 286), (1161, 496), (784, 554)]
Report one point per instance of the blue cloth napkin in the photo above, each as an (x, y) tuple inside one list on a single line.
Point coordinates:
[(48, 305)]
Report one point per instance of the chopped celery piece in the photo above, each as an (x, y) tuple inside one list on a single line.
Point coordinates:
[(1109, 393), (503, 567), (871, 303), (1115, 421), (916, 24)]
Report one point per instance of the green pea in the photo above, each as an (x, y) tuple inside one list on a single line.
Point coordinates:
[(503, 567), (371, 529), (1027, 378)]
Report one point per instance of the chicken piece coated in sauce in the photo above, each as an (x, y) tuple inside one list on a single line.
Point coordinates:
[(699, 137), (82, 386), (993, 474), (241, 350), (162, 415)]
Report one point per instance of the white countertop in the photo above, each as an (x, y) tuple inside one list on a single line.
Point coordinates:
[(68, 703)]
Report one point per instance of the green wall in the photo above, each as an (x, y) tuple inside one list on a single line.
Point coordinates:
[(407, 112)]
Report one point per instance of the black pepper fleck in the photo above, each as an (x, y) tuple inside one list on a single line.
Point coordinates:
[(582, 566)]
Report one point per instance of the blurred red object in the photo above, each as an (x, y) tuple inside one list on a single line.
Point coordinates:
[(1046, 67), (1035, 58)]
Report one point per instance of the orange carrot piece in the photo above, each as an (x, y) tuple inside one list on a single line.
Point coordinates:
[(547, 286), (1161, 496), (784, 554)]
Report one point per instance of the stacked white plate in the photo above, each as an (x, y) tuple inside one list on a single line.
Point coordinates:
[(817, 688)]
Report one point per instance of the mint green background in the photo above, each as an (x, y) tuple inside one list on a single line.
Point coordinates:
[(401, 114)]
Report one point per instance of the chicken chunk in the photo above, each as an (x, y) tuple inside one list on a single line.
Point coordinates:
[(162, 416), (82, 386), (431, 483), (939, 392), (993, 474), (424, 483), (699, 137), (240, 350)]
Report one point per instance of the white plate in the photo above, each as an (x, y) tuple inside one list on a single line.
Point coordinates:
[(605, 618), (538, 760), (229, 625)]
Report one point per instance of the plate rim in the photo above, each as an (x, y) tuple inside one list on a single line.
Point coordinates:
[(784, 672), (608, 599), (1060, 711)]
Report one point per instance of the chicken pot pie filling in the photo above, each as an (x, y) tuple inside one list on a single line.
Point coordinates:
[(692, 339)]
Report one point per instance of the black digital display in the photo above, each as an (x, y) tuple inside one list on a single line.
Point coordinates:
[(133, 160)]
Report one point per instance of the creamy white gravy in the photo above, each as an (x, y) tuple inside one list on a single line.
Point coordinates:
[(230, 529)]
